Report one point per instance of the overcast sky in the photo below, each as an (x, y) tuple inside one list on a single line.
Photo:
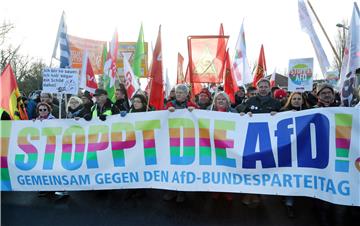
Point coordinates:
[(274, 23)]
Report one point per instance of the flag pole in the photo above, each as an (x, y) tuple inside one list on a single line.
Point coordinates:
[(322, 28)]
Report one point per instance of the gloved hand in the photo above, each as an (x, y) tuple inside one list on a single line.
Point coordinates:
[(87, 117), (123, 113), (102, 117)]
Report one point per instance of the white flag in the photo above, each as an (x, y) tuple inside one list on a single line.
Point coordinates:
[(240, 64), (131, 82), (167, 85), (307, 26), (351, 60)]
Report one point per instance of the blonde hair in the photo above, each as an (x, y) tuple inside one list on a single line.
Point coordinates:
[(74, 98)]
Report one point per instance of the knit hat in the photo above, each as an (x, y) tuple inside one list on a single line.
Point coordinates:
[(280, 93), (322, 86)]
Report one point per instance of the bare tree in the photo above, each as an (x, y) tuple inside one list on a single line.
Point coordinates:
[(26, 69)]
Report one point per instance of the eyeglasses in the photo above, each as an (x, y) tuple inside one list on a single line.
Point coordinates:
[(42, 109)]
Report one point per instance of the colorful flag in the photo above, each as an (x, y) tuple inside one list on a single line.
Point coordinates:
[(241, 65), (351, 60), (180, 72), (114, 46), (88, 81), (109, 82), (131, 82), (307, 27), (65, 61), (260, 68), (206, 58), (230, 86), (139, 54), (272, 78), (156, 88), (10, 98)]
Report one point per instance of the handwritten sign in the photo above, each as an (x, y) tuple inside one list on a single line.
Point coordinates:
[(61, 80)]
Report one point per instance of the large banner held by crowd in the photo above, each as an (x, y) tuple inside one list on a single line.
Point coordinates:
[(312, 153)]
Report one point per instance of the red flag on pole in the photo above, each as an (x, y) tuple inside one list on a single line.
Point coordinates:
[(180, 73), (207, 58), (10, 100), (230, 85), (260, 68), (156, 89)]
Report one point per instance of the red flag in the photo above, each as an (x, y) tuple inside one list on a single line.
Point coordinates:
[(206, 58), (180, 73), (187, 75), (260, 68), (230, 85), (10, 99), (91, 84), (156, 89), (272, 79)]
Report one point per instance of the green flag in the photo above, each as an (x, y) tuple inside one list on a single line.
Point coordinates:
[(106, 78), (139, 54)]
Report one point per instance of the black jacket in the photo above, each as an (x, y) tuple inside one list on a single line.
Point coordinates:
[(258, 104)]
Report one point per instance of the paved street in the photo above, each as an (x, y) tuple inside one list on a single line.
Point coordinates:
[(116, 208)]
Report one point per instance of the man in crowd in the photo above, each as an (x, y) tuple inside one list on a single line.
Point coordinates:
[(103, 106), (262, 102)]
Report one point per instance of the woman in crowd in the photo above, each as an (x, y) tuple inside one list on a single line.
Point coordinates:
[(295, 102), (139, 104), (222, 103), (122, 100), (43, 111), (75, 108)]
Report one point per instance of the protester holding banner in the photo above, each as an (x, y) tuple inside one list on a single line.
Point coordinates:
[(48, 98), (280, 95), (262, 102), (43, 110), (103, 106), (87, 103), (204, 99), (139, 103), (239, 96), (295, 102), (326, 96), (222, 103), (122, 100), (181, 99), (75, 108)]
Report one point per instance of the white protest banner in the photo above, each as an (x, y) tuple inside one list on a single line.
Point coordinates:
[(61, 80), (313, 153), (300, 76)]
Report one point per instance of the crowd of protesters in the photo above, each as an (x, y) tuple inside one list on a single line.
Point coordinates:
[(253, 100)]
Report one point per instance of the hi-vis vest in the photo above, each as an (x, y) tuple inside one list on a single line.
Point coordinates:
[(95, 113), (2, 111)]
